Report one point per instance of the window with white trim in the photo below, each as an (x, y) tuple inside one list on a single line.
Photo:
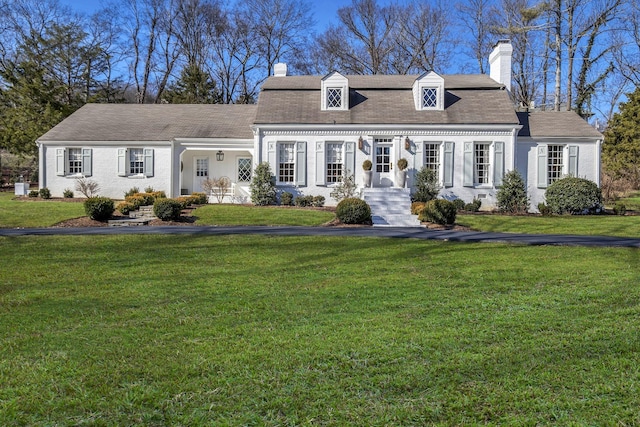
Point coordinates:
[(75, 161), (334, 162), (136, 161), (286, 162), (334, 97), (481, 163), (432, 156), (429, 97), (555, 163), (202, 167), (244, 169)]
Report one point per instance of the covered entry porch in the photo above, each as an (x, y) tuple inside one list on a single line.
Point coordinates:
[(231, 161)]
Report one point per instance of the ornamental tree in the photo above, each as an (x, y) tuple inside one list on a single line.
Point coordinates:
[(621, 147)]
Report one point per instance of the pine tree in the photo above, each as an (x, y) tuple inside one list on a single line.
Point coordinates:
[(621, 148), (512, 196), (193, 87)]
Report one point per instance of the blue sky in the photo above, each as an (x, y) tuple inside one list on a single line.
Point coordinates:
[(324, 12)]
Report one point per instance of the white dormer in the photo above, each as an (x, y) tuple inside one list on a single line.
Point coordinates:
[(335, 92), (428, 92)]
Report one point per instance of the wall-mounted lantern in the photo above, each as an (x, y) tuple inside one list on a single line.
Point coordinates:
[(407, 143), (219, 156), (360, 143)]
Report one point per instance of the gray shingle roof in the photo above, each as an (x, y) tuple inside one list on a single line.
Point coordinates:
[(559, 124), (473, 99), (154, 122)]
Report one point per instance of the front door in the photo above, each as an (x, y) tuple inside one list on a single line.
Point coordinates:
[(383, 163), (200, 173)]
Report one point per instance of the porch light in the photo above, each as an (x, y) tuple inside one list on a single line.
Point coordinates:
[(360, 143), (219, 156), (407, 143)]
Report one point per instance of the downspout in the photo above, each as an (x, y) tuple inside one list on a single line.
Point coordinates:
[(42, 179), (598, 160)]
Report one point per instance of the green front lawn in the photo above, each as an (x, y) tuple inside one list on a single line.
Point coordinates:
[(591, 225), (35, 213), (257, 215), (259, 330), (632, 202)]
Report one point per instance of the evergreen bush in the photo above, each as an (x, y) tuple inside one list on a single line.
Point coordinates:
[(67, 193), (167, 209), (304, 201), (460, 204), (619, 208), (34, 193), (353, 211), (200, 198), (427, 185), (124, 208), (99, 208), (45, 193), (512, 196), (318, 201), (474, 206), (439, 211), (286, 198), (416, 208), (263, 188), (575, 196)]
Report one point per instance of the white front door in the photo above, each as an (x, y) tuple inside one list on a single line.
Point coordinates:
[(200, 173), (383, 163)]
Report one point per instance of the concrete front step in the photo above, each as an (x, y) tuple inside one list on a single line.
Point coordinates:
[(128, 222), (391, 207)]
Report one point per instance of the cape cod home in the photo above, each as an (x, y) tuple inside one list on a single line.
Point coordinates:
[(311, 129)]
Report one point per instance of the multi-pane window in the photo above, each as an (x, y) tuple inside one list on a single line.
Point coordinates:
[(334, 97), (334, 162), (202, 168), (481, 163), (383, 155), (429, 97), (75, 160), (554, 163), (244, 169), (432, 156), (136, 161), (286, 156)]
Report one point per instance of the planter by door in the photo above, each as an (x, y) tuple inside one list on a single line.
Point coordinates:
[(367, 178), (401, 178)]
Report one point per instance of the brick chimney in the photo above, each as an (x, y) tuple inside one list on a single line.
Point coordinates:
[(500, 63)]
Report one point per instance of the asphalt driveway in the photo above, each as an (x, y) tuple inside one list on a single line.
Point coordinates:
[(392, 232)]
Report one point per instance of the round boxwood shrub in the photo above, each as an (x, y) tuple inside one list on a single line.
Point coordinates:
[(353, 211), (439, 211), (99, 208), (460, 204), (619, 208), (125, 207), (67, 193), (574, 196), (286, 198), (167, 209), (45, 193)]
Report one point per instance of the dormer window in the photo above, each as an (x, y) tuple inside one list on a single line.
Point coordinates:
[(428, 92), (335, 92), (334, 98), (429, 97)]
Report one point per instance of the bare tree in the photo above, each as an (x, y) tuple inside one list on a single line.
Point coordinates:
[(474, 16)]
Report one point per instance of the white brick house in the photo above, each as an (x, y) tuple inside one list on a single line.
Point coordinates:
[(312, 128)]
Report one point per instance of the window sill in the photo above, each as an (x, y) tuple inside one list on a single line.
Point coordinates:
[(74, 176)]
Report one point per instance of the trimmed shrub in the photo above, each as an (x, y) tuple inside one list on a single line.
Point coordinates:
[(619, 208), (67, 193), (200, 198), (99, 208), (149, 190), (439, 211), (263, 188), (427, 185), (45, 193), (353, 211), (512, 196), (318, 201), (286, 198), (167, 209), (460, 204), (544, 209), (574, 196), (135, 200), (124, 208), (474, 206), (34, 193), (367, 165), (304, 201), (416, 208), (402, 164), (147, 199), (185, 201)]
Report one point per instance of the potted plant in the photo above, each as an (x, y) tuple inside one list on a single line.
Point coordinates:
[(367, 165), (402, 173)]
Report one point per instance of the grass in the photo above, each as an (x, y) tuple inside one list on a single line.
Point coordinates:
[(259, 330), (32, 213), (255, 215), (587, 225), (632, 202)]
